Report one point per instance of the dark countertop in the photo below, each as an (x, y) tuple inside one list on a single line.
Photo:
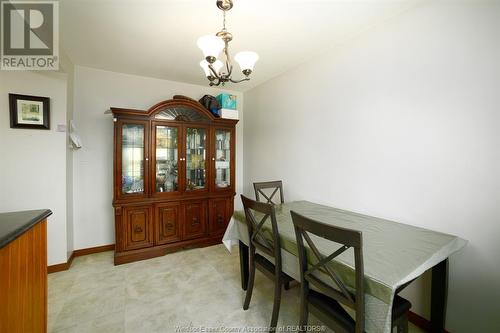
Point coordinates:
[(14, 224)]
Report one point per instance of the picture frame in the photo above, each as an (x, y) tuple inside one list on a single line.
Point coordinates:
[(31, 112)]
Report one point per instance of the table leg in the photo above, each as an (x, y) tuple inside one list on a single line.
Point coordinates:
[(439, 291), (244, 265)]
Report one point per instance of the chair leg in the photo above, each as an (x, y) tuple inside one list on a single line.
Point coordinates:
[(304, 309), (251, 279), (277, 301)]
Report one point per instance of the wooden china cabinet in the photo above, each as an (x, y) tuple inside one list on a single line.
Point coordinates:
[(174, 178)]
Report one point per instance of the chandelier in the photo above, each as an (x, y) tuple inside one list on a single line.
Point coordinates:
[(215, 70)]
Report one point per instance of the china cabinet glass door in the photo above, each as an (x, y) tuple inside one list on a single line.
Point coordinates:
[(222, 158), (132, 158), (196, 155), (166, 159)]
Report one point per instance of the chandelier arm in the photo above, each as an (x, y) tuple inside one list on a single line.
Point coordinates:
[(238, 81), (213, 71), (218, 82)]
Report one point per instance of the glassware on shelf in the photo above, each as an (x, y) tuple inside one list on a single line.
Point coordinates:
[(222, 158), (196, 139), (166, 159), (132, 158)]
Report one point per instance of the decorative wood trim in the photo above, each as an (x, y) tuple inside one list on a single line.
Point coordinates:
[(78, 253), (58, 267), (420, 322), (91, 250)]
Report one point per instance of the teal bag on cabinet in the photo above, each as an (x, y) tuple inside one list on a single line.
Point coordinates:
[(227, 101)]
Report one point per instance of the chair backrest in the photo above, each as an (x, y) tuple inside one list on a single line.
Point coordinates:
[(276, 185), (255, 228), (348, 238)]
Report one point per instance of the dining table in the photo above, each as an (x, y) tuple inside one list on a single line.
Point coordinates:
[(394, 255)]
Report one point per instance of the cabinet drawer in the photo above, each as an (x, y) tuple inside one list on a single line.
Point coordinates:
[(168, 222), (195, 223), (220, 212), (137, 230)]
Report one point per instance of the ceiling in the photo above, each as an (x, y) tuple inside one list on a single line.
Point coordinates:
[(157, 38)]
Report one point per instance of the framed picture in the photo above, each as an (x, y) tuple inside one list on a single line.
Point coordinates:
[(29, 111)]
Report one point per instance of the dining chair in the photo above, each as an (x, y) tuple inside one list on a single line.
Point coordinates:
[(325, 301), (269, 246), (276, 185)]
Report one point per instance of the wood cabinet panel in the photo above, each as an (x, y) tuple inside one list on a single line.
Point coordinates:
[(220, 212), (195, 223), (168, 222), (136, 223), (23, 282)]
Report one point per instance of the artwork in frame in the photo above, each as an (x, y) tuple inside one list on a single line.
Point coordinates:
[(29, 111)]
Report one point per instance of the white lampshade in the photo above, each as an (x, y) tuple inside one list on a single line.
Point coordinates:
[(246, 59), (216, 65), (204, 66), (210, 45)]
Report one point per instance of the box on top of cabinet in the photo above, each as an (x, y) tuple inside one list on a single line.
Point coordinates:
[(229, 114), (227, 101)]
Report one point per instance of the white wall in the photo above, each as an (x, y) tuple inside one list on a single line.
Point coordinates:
[(69, 68), (402, 123), (33, 162), (95, 92)]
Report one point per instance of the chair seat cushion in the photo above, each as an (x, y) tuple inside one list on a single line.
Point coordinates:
[(399, 307)]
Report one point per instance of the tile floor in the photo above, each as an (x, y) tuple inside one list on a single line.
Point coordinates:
[(198, 287)]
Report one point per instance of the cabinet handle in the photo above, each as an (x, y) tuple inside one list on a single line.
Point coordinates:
[(194, 221), (219, 219), (137, 229), (170, 225)]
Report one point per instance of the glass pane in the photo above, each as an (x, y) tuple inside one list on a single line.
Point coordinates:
[(222, 158), (196, 139), (132, 158), (166, 159)]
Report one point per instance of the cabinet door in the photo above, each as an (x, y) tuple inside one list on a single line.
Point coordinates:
[(195, 222), (137, 226), (223, 159), (131, 159), (166, 158), (220, 213), (168, 223), (196, 159)]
